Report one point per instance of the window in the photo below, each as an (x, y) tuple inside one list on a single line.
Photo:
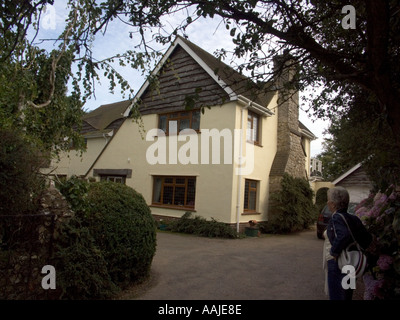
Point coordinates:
[(174, 191), (117, 179), (250, 195), (253, 121), (183, 120), (73, 146)]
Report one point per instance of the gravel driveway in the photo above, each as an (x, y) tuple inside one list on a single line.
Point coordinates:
[(270, 267)]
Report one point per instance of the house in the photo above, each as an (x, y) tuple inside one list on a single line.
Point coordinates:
[(98, 128), (357, 183), (220, 158)]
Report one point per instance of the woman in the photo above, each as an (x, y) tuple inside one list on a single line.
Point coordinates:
[(337, 238)]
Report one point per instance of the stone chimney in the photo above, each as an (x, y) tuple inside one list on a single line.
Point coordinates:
[(290, 157)]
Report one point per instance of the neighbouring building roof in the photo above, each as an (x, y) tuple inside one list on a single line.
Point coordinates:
[(347, 173), (354, 176), (105, 118)]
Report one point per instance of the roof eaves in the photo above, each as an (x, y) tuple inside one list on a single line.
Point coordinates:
[(255, 106), (306, 132)]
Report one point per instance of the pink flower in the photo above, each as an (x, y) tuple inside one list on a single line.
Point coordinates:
[(384, 262), (372, 287), (361, 212), (380, 200), (393, 196)]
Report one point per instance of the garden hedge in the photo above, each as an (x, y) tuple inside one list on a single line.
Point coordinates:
[(109, 244)]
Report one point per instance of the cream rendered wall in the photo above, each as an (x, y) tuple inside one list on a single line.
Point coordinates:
[(263, 158), (307, 147), (213, 181), (216, 184), (73, 163)]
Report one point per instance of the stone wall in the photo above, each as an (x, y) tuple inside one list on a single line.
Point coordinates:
[(290, 157), (28, 246)]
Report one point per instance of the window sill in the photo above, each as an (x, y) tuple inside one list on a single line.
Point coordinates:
[(249, 213), (173, 207), (255, 143)]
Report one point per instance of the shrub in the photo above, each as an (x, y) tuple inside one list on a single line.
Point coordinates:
[(293, 208), (200, 226), (19, 179), (124, 230), (321, 198), (381, 215), (81, 268), (110, 242), (75, 192)]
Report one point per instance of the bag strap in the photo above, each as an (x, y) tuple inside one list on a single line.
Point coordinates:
[(351, 233)]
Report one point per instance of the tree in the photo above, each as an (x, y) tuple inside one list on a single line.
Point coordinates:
[(361, 134), (34, 83), (309, 32), (312, 33)]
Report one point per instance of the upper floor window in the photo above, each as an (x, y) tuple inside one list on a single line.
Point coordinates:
[(184, 120), (253, 124)]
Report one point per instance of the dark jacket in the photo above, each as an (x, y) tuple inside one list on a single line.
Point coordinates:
[(343, 236)]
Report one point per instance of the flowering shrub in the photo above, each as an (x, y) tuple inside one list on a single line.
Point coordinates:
[(381, 216)]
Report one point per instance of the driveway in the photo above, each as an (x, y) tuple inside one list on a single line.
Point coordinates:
[(270, 267)]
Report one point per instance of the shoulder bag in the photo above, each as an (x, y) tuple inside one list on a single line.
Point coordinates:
[(352, 255)]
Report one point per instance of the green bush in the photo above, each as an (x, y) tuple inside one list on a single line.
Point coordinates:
[(19, 179), (110, 242), (124, 230), (81, 268), (75, 192), (321, 198), (202, 227), (293, 208)]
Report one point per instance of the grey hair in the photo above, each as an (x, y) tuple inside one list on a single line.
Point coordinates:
[(340, 197)]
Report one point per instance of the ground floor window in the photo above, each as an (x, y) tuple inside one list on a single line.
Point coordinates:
[(174, 191), (117, 179), (250, 195)]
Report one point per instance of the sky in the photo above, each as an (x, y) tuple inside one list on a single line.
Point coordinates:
[(209, 34)]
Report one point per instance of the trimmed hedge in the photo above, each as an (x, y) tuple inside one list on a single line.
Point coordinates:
[(123, 228), (108, 245), (82, 271)]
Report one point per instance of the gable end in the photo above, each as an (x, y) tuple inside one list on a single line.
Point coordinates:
[(180, 80)]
